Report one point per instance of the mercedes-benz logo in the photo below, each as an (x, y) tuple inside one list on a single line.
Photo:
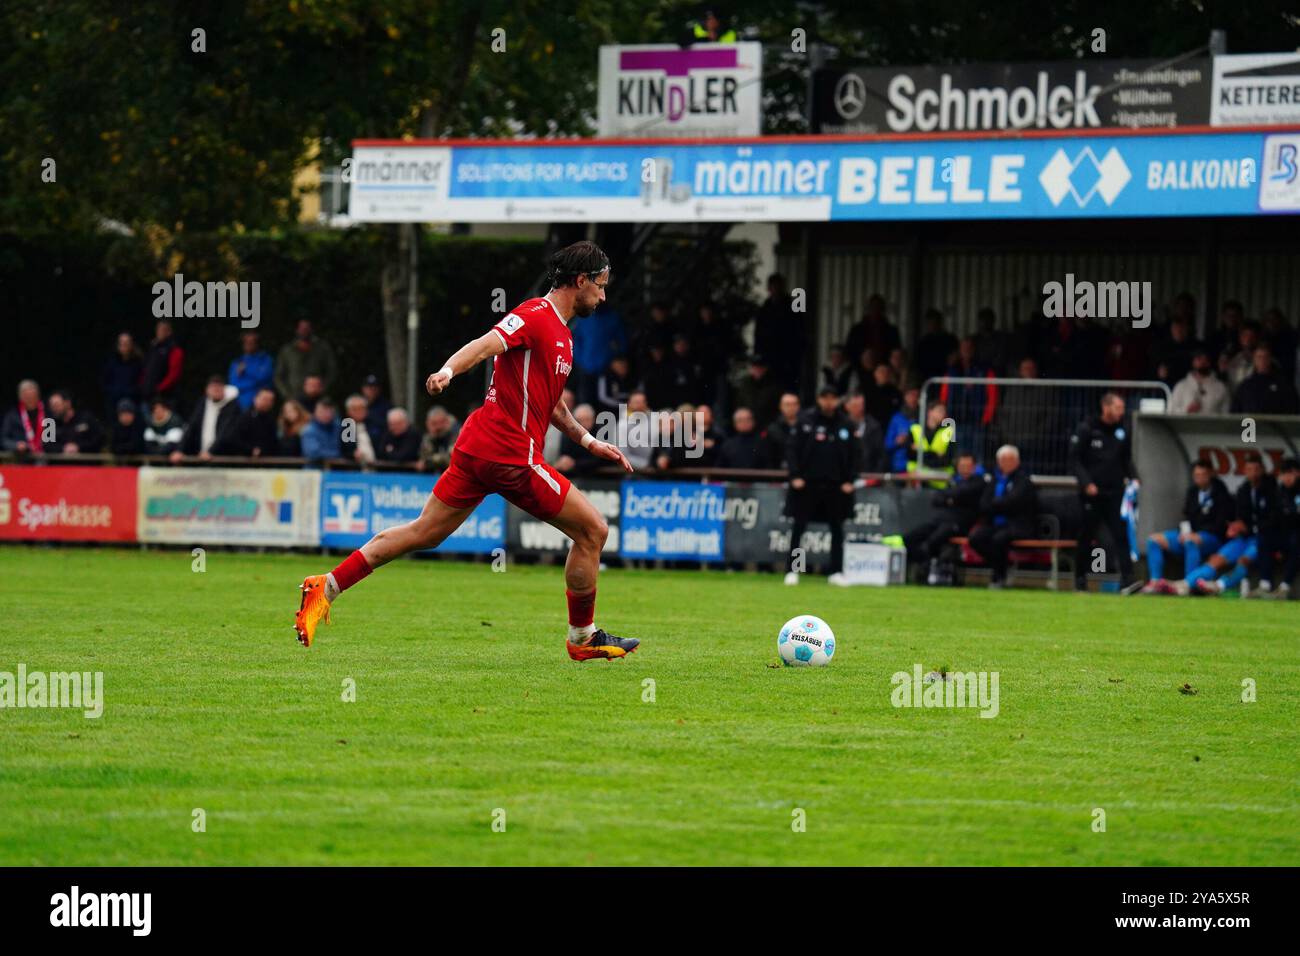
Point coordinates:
[(850, 95)]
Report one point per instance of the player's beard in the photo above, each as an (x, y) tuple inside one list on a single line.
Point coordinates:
[(582, 310)]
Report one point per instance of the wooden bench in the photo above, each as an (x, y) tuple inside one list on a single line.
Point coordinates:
[(1053, 546)]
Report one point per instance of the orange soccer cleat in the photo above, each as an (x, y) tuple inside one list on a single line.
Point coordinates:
[(314, 606), (602, 646)]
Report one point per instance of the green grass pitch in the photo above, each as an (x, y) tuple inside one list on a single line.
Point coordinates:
[(467, 704)]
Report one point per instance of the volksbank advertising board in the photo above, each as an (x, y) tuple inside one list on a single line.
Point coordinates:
[(816, 180), (354, 506)]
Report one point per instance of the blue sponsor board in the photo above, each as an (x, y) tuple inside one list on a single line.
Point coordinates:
[(355, 506), (673, 520), (1173, 174)]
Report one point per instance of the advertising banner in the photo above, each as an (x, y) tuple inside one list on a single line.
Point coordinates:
[(354, 506), (672, 520), (527, 535), (662, 90), (67, 503), (1256, 89), (1101, 175), (252, 506), (1067, 94)]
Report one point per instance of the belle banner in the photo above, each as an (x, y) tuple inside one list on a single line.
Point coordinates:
[(1229, 173), (254, 506), (67, 503)]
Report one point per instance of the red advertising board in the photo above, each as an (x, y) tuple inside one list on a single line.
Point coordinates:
[(67, 503)]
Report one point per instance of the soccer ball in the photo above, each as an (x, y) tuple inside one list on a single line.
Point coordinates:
[(805, 641)]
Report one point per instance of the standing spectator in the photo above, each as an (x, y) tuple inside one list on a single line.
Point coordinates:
[(904, 374), (1232, 315), (24, 427), (713, 342), (1258, 512), (867, 432), (933, 444), (885, 399), (120, 377), (293, 420), (614, 386), (320, 439), (313, 390), (837, 372), (1173, 356), (898, 436), (935, 349), (252, 371), (657, 379), (308, 354), (973, 405), (992, 346), (399, 443), (760, 392), (255, 433), (1100, 459), (957, 507), (746, 447), (354, 441), (126, 437), (378, 408), (1008, 506), (1238, 366), (164, 364), (1267, 391), (873, 331), (1282, 338), (1200, 392), (440, 432), (684, 373), (658, 332), (708, 439), (211, 429), (1207, 509), (596, 339), (777, 434), (821, 461), (164, 431), (74, 432), (779, 336)]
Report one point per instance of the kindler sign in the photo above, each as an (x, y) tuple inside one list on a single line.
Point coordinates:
[(1082, 94), (661, 90)]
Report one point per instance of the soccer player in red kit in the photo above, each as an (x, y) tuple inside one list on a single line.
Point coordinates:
[(499, 451)]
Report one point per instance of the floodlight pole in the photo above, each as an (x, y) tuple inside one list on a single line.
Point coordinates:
[(413, 321)]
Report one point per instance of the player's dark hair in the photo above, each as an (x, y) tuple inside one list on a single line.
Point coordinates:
[(581, 258)]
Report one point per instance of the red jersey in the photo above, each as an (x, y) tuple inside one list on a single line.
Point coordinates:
[(527, 382)]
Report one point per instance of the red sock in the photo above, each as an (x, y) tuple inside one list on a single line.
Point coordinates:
[(582, 608), (352, 570)]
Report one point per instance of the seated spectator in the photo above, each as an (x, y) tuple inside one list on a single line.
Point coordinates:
[(870, 451), (293, 420), (634, 432), (255, 432), (613, 387), (934, 443), (898, 436), (957, 509), (399, 443), (1200, 392), (746, 448), (75, 432), (313, 390), (307, 355), (1207, 509), (120, 377), (1287, 539), (904, 373), (884, 398), (1256, 509), (252, 371), (320, 439), (126, 437), (355, 442), (573, 459), (759, 392), (164, 364), (211, 428), (837, 372), (1173, 356), (164, 430), (379, 407), (1238, 366), (707, 438), (671, 451), (1267, 391), (440, 432), (1008, 508), (24, 428), (777, 434)]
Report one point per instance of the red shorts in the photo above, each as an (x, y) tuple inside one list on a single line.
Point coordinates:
[(537, 489)]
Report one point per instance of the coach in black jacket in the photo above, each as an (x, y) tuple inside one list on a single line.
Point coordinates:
[(1008, 505), (822, 455), (958, 508), (1100, 457)]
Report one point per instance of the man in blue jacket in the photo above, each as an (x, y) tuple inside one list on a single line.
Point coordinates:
[(253, 370)]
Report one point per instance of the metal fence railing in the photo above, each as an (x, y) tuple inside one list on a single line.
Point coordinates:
[(1036, 415)]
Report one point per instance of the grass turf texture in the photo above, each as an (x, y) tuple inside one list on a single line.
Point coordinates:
[(466, 702)]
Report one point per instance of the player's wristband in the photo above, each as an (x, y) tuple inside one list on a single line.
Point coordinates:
[(588, 440), (447, 369)]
